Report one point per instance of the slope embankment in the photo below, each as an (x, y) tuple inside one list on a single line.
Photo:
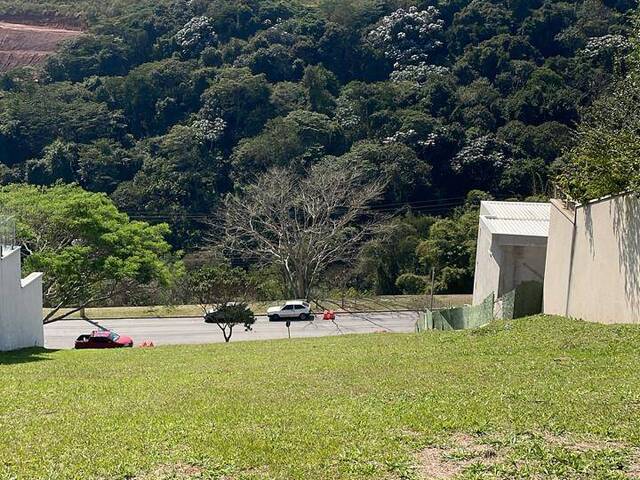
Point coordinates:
[(23, 44)]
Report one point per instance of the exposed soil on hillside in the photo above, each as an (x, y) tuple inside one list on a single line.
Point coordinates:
[(45, 20), (23, 44)]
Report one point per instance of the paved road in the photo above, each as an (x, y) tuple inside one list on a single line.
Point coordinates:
[(173, 331)]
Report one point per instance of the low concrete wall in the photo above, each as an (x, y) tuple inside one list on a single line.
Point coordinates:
[(459, 318), (20, 305), (593, 261)]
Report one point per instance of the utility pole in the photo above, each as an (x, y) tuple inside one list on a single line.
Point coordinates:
[(433, 281)]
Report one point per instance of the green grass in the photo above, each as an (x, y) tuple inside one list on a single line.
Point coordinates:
[(379, 303), (544, 392)]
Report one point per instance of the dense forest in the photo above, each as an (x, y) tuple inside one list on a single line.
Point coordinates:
[(167, 107)]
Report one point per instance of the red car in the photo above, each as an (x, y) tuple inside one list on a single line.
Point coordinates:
[(103, 339)]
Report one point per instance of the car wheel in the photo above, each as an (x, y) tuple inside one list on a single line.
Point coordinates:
[(303, 316), (274, 318)]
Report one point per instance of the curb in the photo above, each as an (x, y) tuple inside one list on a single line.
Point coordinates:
[(199, 316)]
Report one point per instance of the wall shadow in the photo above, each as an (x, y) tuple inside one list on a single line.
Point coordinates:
[(626, 226), (588, 225), (26, 355)]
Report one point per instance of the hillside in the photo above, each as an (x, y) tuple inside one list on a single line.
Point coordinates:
[(169, 107), (77, 13), (544, 398)]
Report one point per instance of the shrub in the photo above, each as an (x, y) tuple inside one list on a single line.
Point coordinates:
[(412, 284)]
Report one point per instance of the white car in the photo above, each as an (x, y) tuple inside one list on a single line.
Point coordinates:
[(295, 309)]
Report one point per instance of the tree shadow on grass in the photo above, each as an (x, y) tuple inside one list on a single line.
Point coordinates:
[(26, 355)]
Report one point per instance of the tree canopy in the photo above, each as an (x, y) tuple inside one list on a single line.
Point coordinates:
[(606, 157), (168, 107), (87, 249)]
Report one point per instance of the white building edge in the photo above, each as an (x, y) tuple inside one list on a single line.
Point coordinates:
[(20, 304), (588, 255), (511, 248)]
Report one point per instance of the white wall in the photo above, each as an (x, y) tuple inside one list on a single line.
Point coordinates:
[(559, 253), (593, 266), (505, 261), (486, 279), (522, 263), (20, 305)]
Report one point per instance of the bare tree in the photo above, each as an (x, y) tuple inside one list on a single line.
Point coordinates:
[(340, 275), (303, 223)]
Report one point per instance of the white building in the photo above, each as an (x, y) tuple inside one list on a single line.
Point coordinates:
[(512, 247), (20, 301)]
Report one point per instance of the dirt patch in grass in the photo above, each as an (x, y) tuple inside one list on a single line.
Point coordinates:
[(447, 461), (177, 471), (533, 454), (248, 474), (434, 465), (634, 466), (579, 445)]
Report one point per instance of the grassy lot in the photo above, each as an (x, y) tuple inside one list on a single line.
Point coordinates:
[(538, 398), (384, 303)]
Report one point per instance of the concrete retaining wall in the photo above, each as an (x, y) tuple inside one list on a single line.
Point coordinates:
[(20, 305), (593, 261)]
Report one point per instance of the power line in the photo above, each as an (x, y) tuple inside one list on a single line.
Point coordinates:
[(404, 203), (397, 206), (442, 205)]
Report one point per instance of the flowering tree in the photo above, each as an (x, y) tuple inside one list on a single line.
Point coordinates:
[(196, 35), (408, 38), (209, 130), (483, 159), (419, 74), (482, 150), (607, 49)]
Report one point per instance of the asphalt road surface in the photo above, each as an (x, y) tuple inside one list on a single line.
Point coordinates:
[(177, 331)]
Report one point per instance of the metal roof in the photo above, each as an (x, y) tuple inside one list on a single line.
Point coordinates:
[(516, 210), (516, 218)]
